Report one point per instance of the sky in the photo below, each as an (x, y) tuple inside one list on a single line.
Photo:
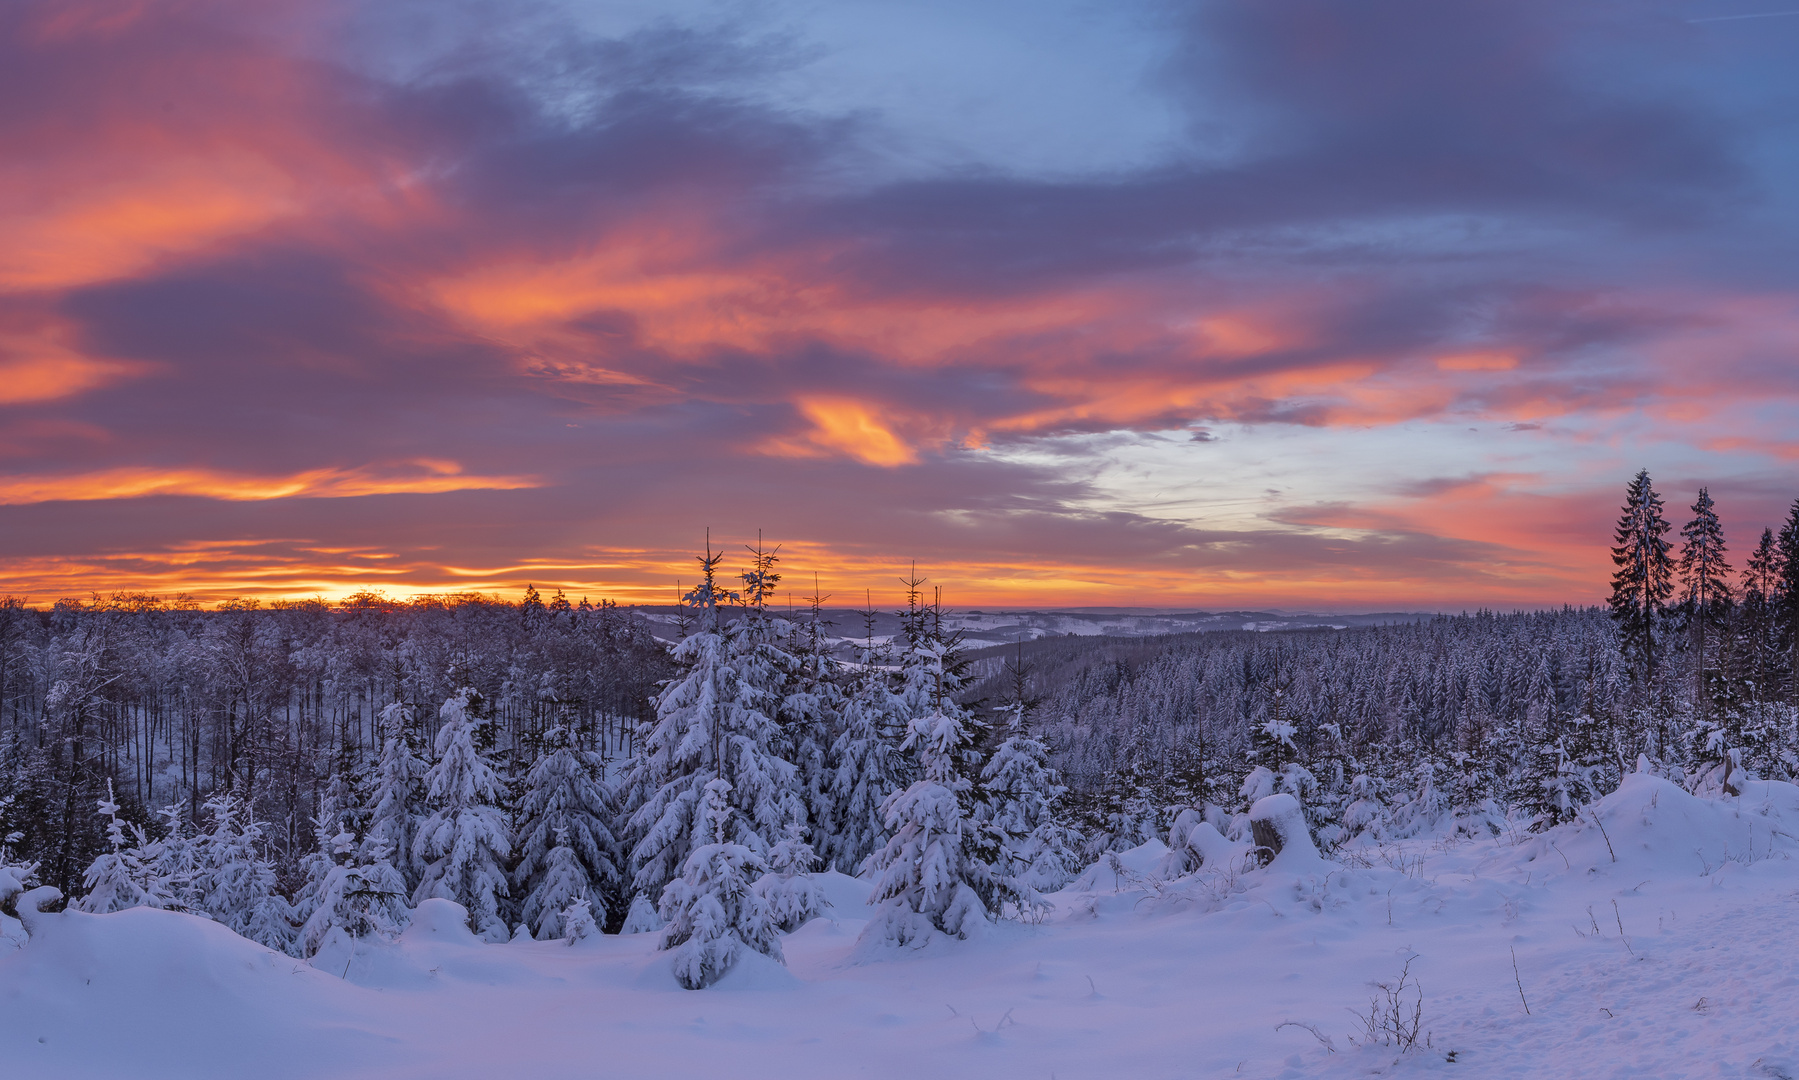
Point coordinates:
[(1212, 304)]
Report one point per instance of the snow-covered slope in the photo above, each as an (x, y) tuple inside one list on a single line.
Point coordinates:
[(1653, 938)]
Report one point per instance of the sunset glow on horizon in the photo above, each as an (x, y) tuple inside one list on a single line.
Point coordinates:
[(1220, 305)]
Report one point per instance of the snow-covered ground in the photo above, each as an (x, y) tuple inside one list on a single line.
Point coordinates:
[(1657, 938)]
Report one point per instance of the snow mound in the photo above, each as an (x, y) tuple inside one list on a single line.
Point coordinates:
[(848, 896), (1652, 827), (1121, 871), (754, 971), (1279, 823), (442, 922), (150, 987)]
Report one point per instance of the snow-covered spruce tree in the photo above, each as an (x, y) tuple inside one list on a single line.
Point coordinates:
[(1553, 783), (1429, 798), (1131, 807), (1367, 812), (1644, 579), (712, 912), (565, 848), (1272, 746), (1332, 769), (331, 822), (465, 842), (1760, 623), (236, 883), (933, 878), (362, 895), (172, 864), (715, 722), (562, 885), (1037, 853), (789, 892), (869, 766), (1786, 599), (1298, 781), (15, 810), (344, 795), (1705, 589), (399, 792), (116, 879), (811, 719)]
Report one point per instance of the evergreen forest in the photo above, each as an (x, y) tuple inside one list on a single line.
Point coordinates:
[(298, 770)]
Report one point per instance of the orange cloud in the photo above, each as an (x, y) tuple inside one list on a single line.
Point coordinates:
[(1245, 335), (685, 295), (47, 379), (38, 363), (95, 231), (1477, 361), (418, 477), (844, 427)]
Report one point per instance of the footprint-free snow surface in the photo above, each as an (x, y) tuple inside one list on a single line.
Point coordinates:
[(1657, 937)]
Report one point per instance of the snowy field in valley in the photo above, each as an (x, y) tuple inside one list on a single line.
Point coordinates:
[(1656, 937)]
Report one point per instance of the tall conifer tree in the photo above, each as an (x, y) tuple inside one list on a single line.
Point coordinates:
[(1786, 596), (715, 722), (1705, 583), (465, 842), (1644, 579), (1761, 588)]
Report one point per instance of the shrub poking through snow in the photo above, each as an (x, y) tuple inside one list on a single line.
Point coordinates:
[(713, 914), (1396, 1012), (14, 880)]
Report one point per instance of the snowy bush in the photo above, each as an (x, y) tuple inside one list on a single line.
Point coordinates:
[(642, 917), (577, 921), (360, 899), (788, 890)]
